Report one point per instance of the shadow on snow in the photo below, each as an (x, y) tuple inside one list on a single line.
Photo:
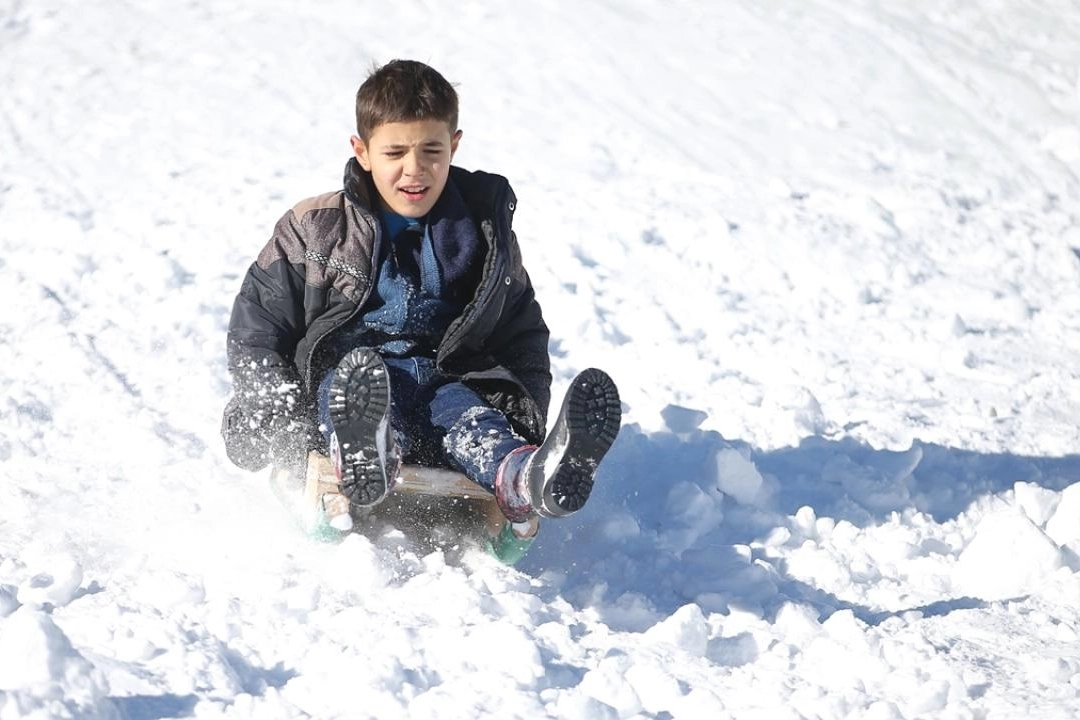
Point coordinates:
[(673, 514)]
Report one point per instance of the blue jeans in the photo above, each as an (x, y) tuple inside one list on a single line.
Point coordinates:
[(438, 421)]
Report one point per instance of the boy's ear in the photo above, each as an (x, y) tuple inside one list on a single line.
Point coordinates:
[(361, 152), (454, 143)]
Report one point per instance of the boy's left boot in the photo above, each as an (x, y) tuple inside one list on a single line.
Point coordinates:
[(362, 448), (556, 479)]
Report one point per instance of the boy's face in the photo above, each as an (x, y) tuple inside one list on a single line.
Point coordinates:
[(409, 162)]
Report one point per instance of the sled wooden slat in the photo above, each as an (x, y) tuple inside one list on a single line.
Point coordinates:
[(439, 482), (321, 488), (413, 479)]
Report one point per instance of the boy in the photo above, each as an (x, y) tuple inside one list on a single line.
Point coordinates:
[(392, 321)]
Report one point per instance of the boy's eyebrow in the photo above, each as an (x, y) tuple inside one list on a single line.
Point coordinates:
[(402, 146)]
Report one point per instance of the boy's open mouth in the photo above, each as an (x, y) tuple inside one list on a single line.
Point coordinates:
[(414, 192)]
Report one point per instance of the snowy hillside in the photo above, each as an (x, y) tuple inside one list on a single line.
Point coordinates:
[(828, 250)]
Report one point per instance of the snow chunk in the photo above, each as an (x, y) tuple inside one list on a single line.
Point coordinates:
[(797, 623), (799, 406), (632, 611), (42, 675), (736, 650), (8, 600), (56, 584), (607, 684), (1008, 557), (580, 706), (1037, 502), (682, 420), (846, 629), (1064, 526), (738, 477), (489, 645), (692, 513), (657, 689), (355, 565), (805, 520), (928, 698), (1055, 670), (686, 629)]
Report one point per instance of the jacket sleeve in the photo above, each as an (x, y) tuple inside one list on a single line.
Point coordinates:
[(266, 412)]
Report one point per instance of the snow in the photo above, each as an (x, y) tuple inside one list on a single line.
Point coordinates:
[(829, 252)]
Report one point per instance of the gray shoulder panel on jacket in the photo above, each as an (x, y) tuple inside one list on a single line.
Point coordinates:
[(330, 239)]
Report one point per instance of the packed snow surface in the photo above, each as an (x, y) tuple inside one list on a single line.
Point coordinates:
[(828, 250)]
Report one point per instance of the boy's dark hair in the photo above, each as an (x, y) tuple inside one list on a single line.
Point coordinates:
[(403, 91)]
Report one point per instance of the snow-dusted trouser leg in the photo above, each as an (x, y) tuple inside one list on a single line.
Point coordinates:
[(477, 437)]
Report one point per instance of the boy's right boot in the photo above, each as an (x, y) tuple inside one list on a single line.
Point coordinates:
[(555, 479), (362, 447)]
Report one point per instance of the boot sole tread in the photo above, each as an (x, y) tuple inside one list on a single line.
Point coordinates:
[(359, 399), (592, 414)]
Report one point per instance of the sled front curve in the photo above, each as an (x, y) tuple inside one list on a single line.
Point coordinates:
[(422, 496)]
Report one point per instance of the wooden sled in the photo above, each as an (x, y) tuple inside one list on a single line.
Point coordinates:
[(439, 507)]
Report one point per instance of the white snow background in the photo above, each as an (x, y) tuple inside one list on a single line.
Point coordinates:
[(827, 249)]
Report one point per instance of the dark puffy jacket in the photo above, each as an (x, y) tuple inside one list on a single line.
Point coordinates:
[(314, 276)]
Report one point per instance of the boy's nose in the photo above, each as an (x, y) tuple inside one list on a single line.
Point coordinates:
[(412, 164)]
